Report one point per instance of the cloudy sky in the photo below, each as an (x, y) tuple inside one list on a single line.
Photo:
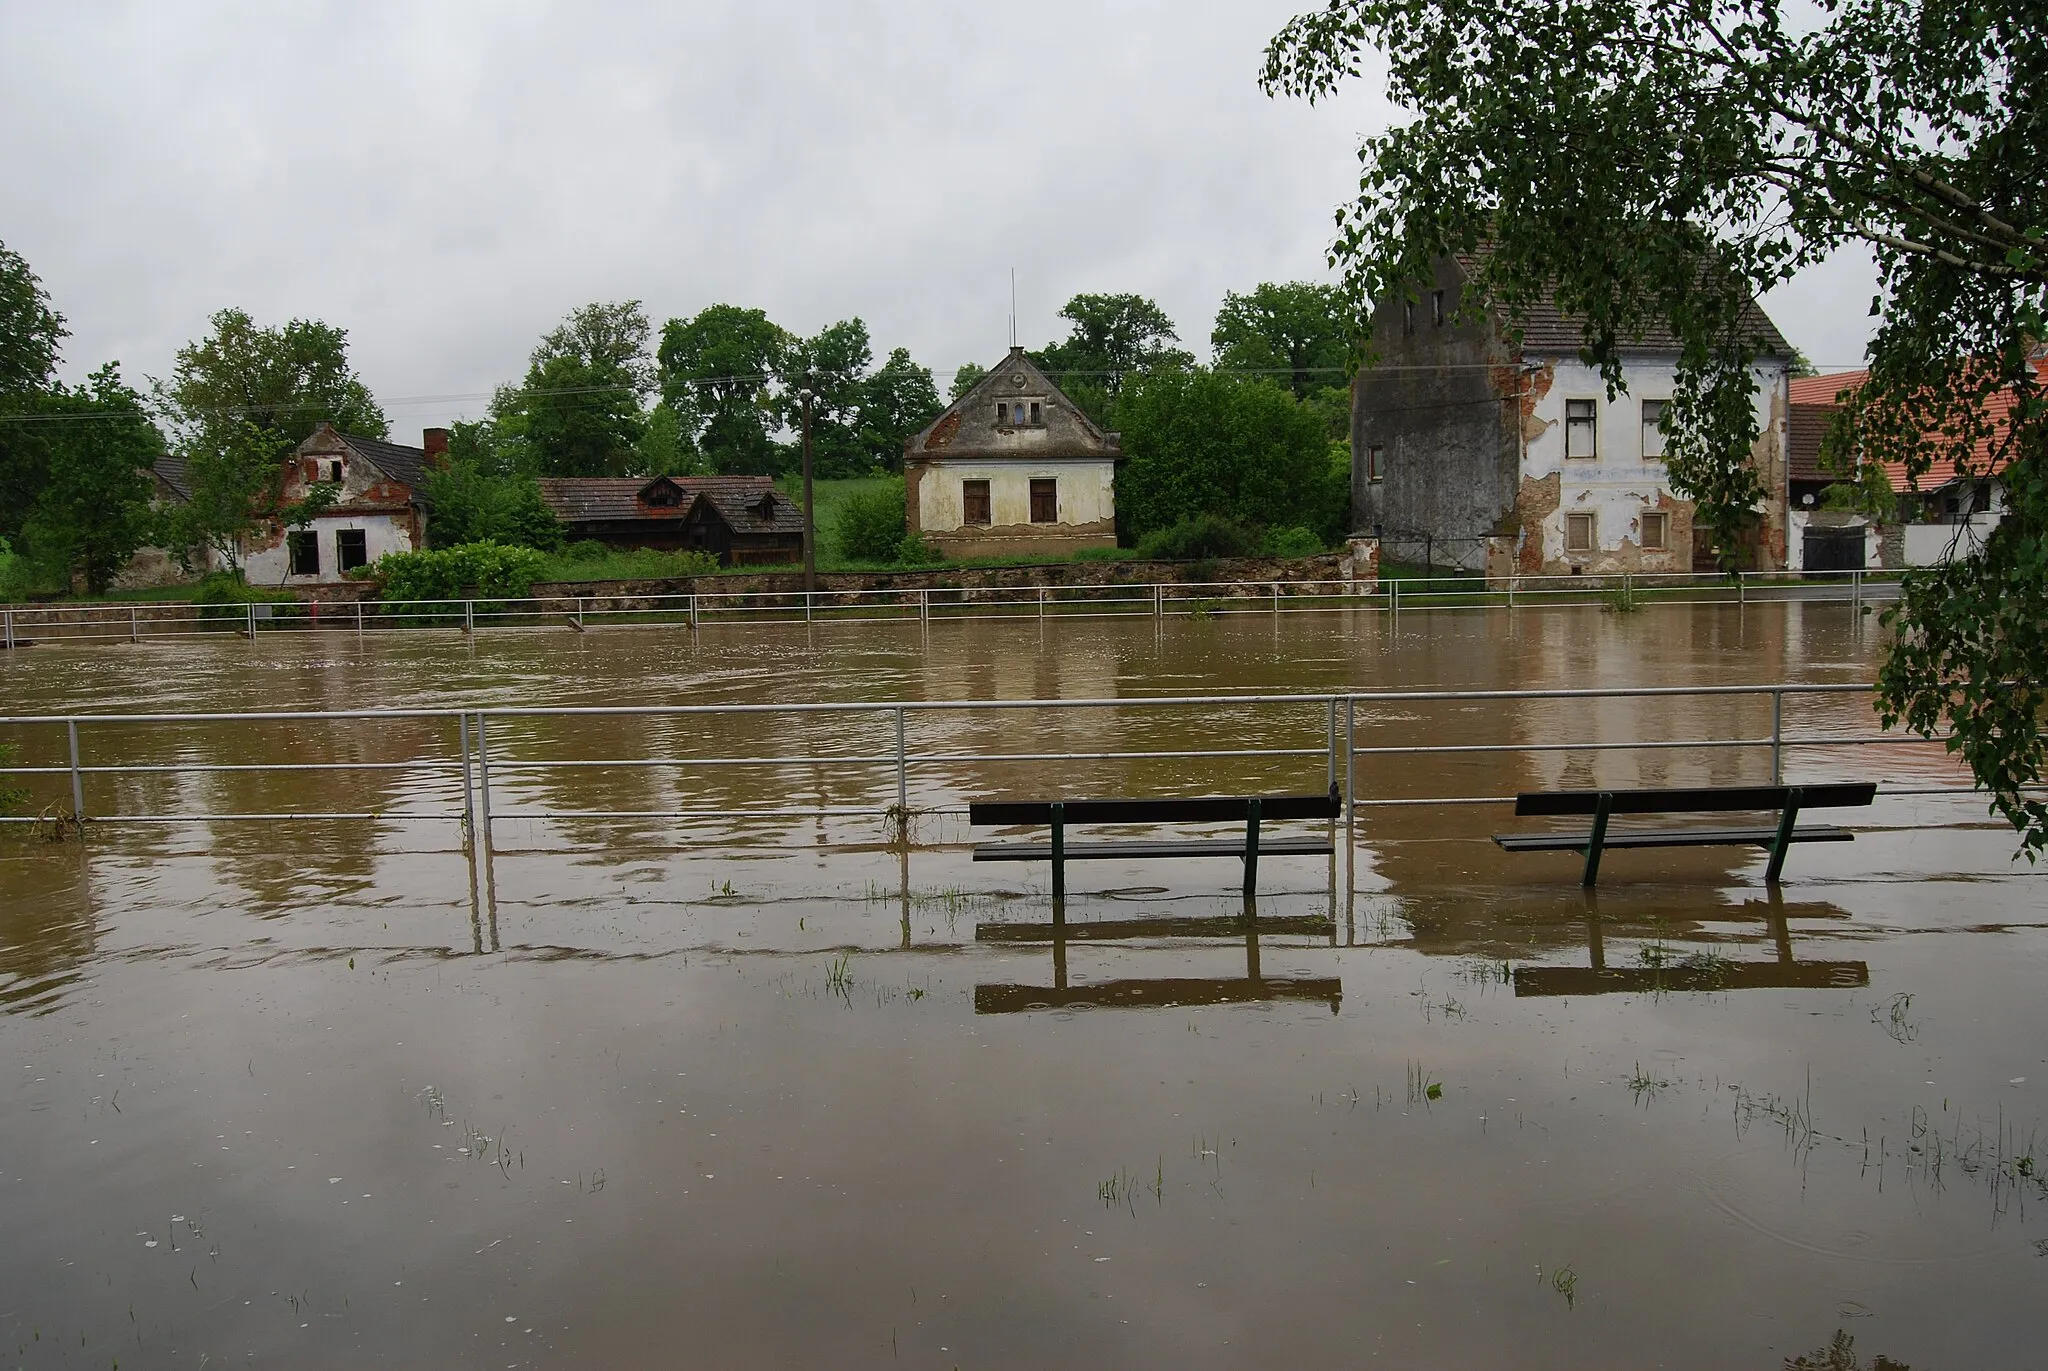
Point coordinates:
[(447, 180)]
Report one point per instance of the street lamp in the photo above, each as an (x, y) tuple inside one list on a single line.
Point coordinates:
[(810, 523)]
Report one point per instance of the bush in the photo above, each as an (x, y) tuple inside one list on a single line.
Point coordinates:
[(1200, 538), (1293, 542), (18, 578), (916, 550), (586, 550), (466, 504), (478, 571), (626, 564), (871, 524)]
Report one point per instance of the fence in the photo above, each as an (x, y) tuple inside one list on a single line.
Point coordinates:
[(136, 621)]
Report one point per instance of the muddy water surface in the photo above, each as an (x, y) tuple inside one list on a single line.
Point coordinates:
[(768, 1088)]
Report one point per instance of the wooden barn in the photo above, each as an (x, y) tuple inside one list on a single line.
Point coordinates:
[(743, 520)]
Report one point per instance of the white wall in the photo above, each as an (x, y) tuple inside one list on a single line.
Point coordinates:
[(385, 533), (1087, 492), (1932, 544), (1796, 524), (1619, 484)]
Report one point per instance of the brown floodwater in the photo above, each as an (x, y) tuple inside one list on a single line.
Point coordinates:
[(764, 1087)]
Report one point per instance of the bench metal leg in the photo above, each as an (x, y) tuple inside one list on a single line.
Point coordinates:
[(1783, 843), (1251, 852), (1598, 839), (1059, 851)]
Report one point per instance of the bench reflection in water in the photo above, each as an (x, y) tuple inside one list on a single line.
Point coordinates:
[(1696, 971), (1153, 992)]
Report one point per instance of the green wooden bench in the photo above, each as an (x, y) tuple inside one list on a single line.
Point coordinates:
[(1602, 805), (1059, 815)]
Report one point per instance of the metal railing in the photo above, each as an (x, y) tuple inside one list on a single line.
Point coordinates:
[(472, 760), (136, 621)]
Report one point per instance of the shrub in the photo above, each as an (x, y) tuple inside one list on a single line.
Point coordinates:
[(586, 550), (1293, 542), (627, 564), (871, 524), (917, 550), (1200, 538), (481, 571)]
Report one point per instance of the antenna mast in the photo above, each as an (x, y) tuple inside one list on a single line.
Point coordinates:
[(1013, 306)]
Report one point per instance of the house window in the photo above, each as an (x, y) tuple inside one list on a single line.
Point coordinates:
[(974, 502), (1980, 498), (1407, 316), (1581, 428), (1375, 464), (351, 548), (1034, 413), (303, 546), (1653, 432), (1657, 532), (1003, 413), (1045, 501), (334, 472), (1578, 533), (1436, 306)]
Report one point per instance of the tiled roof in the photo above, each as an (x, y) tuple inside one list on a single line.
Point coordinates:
[(170, 468), (400, 463), (616, 499), (1546, 328), (1817, 396)]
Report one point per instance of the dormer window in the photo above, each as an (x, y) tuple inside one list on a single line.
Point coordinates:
[(765, 506), (661, 493), (334, 472)]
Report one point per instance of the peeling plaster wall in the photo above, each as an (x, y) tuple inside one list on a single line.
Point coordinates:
[(1619, 483), (1087, 504), (270, 565)]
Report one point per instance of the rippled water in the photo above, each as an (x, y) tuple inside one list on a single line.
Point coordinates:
[(761, 1091)]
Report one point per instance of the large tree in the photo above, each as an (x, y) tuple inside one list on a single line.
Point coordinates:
[(833, 366), (238, 400), (1235, 447), (581, 398), (1298, 332), (716, 370), (1670, 161), (1111, 337), (896, 401)]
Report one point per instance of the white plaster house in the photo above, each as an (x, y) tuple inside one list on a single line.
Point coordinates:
[(1012, 467), (380, 509), (1487, 444)]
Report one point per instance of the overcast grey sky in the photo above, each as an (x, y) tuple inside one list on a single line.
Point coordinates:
[(447, 180)]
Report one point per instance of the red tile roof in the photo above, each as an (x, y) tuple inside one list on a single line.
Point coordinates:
[(1813, 401)]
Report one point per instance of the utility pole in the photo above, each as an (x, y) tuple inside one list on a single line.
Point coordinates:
[(810, 523)]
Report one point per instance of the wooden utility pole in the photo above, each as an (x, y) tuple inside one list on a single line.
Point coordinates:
[(810, 522)]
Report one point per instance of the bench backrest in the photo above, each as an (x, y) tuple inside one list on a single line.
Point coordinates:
[(1200, 809), (1720, 799)]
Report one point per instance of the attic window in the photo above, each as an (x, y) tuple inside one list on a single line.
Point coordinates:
[(334, 472), (765, 506), (1035, 417), (662, 494)]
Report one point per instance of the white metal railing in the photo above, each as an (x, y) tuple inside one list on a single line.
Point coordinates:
[(135, 621)]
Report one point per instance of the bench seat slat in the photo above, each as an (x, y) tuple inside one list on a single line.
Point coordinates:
[(1706, 801), (1180, 847), (1670, 837), (1195, 810)]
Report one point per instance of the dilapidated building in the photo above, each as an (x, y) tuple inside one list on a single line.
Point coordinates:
[(741, 520), (1489, 445), (379, 507), (1012, 467)]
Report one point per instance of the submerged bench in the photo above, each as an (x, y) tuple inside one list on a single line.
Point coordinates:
[(1250, 810), (1788, 801)]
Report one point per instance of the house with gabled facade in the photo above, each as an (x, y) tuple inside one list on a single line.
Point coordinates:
[(741, 520), (379, 508), (1012, 467), (1488, 444)]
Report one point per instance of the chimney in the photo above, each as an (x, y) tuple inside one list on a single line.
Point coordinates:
[(435, 441)]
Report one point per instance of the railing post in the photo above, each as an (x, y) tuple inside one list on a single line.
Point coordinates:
[(77, 781), (1511, 592), (359, 617), (1741, 594), (924, 605), (7, 627), (1777, 737), (134, 625), (469, 617), (483, 788), (807, 606), (693, 611), (579, 611), (1276, 597), (1158, 601), (1041, 603), (902, 768), (1332, 741), (252, 621), (1350, 805), (468, 781), (1394, 597)]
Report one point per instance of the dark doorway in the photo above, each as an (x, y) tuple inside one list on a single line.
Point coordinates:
[(1834, 549)]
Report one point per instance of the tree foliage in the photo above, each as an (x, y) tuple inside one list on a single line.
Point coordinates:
[(1202, 443), (1299, 332), (1669, 161), (31, 332), (1112, 337), (716, 370), (580, 402), (833, 367), (965, 378), (896, 401)]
